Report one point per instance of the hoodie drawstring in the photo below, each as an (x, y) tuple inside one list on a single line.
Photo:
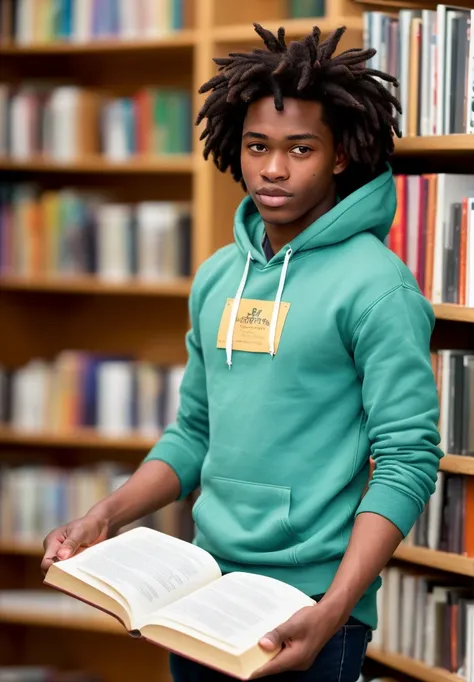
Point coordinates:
[(276, 307), (235, 310)]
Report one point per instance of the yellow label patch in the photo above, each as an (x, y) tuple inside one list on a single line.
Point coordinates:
[(252, 326)]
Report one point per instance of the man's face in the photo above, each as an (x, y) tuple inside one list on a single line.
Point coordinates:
[(288, 159)]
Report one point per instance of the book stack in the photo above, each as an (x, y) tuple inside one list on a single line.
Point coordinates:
[(35, 499), (300, 9), (154, 121), (68, 232), (28, 673), (433, 234), (447, 522), (67, 123), (116, 396), (426, 618), (59, 123), (454, 373), (82, 21), (431, 54)]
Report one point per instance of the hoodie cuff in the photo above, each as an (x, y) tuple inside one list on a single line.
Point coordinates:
[(399, 508), (177, 460)]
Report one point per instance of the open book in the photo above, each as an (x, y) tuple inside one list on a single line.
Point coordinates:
[(173, 594)]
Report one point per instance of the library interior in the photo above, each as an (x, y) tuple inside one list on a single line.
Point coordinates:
[(89, 293)]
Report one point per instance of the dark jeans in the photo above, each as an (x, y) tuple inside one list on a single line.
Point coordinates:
[(339, 661)]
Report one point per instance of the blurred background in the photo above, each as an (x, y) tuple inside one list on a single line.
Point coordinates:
[(107, 208)]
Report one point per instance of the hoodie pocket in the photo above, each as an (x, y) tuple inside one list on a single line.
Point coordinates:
[(244, 522)]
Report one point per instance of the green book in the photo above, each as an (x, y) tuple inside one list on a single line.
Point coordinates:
[(300, 9)]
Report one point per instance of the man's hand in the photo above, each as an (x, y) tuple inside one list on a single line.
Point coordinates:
[(67, 540), (302, 637)]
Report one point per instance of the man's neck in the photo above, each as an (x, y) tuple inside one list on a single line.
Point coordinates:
[(279, 235)]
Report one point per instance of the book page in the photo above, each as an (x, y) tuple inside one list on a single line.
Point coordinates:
[(150, 569), (237, 609)]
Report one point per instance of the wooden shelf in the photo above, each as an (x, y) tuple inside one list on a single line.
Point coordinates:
[(455, 313), (444, 561), (99, 623), (408, 666), (458, 464), (294, 28), (93, 285), (85, 439), (21, 548), (434, 144), (176, 163), (178, 39)]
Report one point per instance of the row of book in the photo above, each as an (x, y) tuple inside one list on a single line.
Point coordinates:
[(68, 123), (454, 373), (427, 618), (80, 21), (115, 396), (69, 232), (34, 499), (433, 233), (447, 522), (431, 54), (29, 673)]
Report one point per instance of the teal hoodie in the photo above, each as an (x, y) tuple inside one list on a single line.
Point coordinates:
[(280, 442)]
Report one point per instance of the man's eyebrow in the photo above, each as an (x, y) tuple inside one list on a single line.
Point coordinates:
[(295, 136), (258, 136)]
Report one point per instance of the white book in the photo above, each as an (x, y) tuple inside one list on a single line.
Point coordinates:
[(408, 615), (436, 510), (82, 21), (441, 67), (433, 624), (405, 21), (427, 18), (65, 123), (113, 221), (150, 382), (470, 254), (114, 398), (173, 385), (452, 188), (470, 643), (24, 23), (470, 79), (393, 605), (420, 611), (20, 148), (115, 132), (413, 213), (129, 19)]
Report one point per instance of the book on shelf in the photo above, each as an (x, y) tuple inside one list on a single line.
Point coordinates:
[(431, 54), (433, 233), (70, 232), (173, 594), (301, 9), (67, 123), (115, 396), (447, 522), (29, 22), (30, 673), (35, 498), (454, 374), (427, 618)]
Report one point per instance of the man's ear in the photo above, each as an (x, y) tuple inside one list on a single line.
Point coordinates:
[(342, 160)]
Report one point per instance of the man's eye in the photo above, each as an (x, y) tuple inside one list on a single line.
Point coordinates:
[(300, 150), (256, 147)]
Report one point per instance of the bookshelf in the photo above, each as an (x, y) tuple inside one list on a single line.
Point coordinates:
[(46, 314)]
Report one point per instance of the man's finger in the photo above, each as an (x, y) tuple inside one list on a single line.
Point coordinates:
[(287, 659), (288, 630), (71, 544)]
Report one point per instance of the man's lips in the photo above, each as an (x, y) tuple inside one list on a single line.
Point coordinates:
[(273, 197)]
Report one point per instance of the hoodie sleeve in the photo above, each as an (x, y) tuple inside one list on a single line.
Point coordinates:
[(391, 347), (184, 443)]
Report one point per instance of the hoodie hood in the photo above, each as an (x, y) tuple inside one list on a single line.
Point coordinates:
[(371, 208)]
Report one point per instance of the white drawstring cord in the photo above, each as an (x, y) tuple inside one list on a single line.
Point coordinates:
[(235, 310), (276, 305)]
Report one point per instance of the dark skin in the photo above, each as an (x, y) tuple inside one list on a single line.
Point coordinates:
[(291, 152)]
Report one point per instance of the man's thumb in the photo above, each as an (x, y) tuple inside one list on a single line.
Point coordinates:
[(274, 639), (68, 548)]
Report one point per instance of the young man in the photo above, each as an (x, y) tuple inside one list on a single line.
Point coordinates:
[(308, 354)]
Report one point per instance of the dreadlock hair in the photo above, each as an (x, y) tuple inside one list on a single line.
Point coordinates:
[(357, 107)]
